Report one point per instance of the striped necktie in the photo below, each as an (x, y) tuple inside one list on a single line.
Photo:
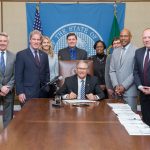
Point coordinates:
[(2, 63), (82, 89)]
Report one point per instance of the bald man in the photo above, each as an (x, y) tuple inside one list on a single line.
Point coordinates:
[(121, 70), (142, 75)]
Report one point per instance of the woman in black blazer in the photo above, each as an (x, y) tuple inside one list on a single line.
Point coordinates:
[(99, 61)]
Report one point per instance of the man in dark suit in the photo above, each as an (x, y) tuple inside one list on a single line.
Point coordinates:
[(142, 75), (7, 61), (31, 70), (72, 52), (81, 85)]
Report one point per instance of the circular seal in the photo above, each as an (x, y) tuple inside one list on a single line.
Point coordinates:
[(87, 36)]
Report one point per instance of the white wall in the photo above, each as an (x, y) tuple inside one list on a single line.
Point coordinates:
[(137, 19)]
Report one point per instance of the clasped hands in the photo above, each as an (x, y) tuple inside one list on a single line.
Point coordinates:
[(4, 90), (89, 96), (119, 90)]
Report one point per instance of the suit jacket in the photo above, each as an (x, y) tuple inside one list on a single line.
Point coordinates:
[(64, 54), (99, 68), (122, 73), (8, 78), (29, 76), (138, 67), (107, 76), (91, 86)]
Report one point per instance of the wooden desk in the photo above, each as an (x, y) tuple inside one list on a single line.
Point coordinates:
[(39, 126)]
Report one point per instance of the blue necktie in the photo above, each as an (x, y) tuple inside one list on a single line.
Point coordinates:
[(2, 63), (82, 89), (73, 55)]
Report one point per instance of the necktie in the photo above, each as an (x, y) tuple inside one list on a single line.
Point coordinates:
[(36, 58), (82, 89), (2, 64), (73, 54), (122, 55), (146, 67)]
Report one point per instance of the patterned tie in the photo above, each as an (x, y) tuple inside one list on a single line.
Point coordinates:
[(37, 58), (73, 54), (2, 63), (82, 89), (146, 67)]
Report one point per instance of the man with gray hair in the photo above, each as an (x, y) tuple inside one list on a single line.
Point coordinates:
[(7, 61), (31, 70), (81, 85)]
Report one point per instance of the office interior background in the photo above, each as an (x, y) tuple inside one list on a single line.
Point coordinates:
[(13, 19)]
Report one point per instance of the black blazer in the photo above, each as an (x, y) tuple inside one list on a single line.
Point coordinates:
[(99, 68), (91, 86), (64, 54), (138, 67), (28, 76)]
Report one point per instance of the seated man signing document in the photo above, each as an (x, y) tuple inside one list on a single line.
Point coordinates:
[(81, 85)]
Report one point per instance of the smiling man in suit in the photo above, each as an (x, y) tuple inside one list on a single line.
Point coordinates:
[(121, 70), (72, 52), (81, 85), (142, 75), (31, 70), (7, 61)]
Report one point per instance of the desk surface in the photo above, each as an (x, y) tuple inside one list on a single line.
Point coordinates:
[(39, 126)]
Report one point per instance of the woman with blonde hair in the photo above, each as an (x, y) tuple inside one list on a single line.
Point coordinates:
[(47, 47), (52, 57)]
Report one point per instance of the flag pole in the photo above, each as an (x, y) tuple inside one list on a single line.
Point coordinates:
[(1, 15), (115, 31)]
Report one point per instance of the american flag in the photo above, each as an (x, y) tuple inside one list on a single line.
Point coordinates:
[(37, 21)]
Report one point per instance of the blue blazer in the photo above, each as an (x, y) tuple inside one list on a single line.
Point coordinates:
[(138, 67), (29, 76)]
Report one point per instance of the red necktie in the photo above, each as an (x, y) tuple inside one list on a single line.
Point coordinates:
[(146, 67), (37, 58)]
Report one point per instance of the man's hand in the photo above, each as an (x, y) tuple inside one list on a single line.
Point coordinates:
[(5, 89), (72, 95), (2, 94), (145, 90), (91, 96), (22, 98), (119, 90)]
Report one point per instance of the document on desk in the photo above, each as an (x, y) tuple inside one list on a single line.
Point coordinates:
[(130, 120), (76, 101)]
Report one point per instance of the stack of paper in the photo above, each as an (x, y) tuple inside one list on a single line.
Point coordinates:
[(75, 101), (130, 120)]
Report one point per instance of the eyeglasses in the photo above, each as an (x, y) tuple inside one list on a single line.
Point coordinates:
[(82, 68)]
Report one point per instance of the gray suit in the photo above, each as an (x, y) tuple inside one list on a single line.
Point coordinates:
[(8, 79), (121, 73), (107, 76)]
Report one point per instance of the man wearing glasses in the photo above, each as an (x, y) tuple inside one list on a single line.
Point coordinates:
[(81, 85)]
